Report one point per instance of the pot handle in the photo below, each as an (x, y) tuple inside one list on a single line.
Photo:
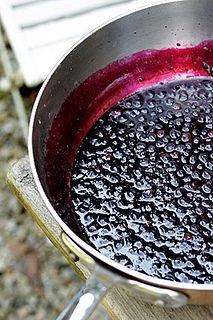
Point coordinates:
[(85, 301)]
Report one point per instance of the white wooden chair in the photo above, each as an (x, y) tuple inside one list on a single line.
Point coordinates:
[(41, 31)]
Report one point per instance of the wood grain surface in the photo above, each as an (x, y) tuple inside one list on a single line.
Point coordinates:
[(120, 304)]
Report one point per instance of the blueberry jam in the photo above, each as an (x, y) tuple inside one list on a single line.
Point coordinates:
[(141, 183)]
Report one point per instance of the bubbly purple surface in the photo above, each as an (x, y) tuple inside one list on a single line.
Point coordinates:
[(142, 182)]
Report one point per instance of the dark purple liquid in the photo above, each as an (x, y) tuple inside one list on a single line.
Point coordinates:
[(142, 182)]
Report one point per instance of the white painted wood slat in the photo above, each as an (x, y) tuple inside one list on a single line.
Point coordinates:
[(48, 10), (78, 26), (41, 31), (46, 57), (30, 75), (22, 2)]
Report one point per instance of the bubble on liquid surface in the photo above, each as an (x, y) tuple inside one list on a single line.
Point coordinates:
[(142, 182)]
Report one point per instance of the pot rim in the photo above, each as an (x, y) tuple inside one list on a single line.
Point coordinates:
[(97, 256)]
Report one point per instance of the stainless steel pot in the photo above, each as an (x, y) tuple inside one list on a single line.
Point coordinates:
[(189, 22)]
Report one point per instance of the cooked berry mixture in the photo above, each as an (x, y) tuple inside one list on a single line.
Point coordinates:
[(142, 181)]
